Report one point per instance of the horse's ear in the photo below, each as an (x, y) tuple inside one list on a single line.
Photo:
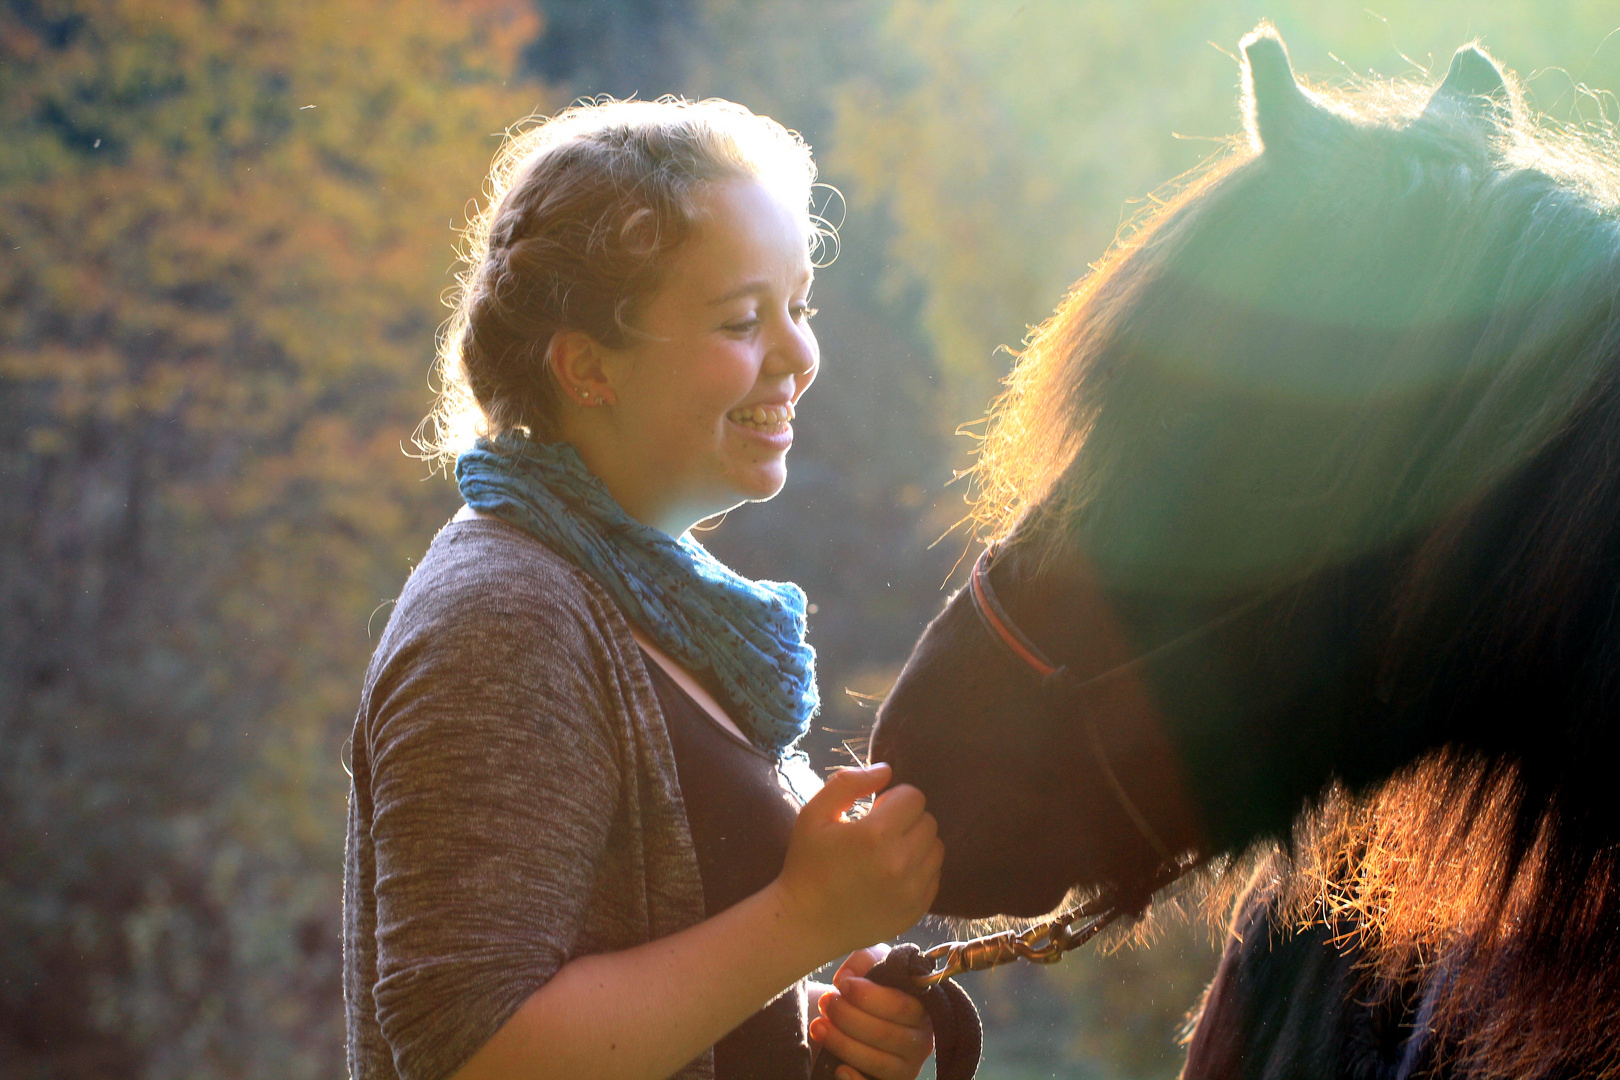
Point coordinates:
[(1274, 106), (1473, 82)]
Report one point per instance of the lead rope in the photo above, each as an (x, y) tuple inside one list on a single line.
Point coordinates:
[(958, 1035)]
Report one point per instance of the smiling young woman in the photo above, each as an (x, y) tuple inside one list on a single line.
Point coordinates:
[(573, 847), (694, 414)]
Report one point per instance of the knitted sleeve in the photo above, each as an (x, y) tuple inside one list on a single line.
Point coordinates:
[(493, 775)]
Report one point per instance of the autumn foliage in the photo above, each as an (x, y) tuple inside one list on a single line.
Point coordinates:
[(225, 227)]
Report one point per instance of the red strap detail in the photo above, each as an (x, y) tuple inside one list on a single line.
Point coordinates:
[(992, 618)]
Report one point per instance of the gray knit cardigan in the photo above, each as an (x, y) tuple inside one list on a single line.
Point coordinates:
[(515, 803)]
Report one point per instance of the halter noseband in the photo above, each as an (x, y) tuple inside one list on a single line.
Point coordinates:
[(1046, 942), (1058, 682), (1000, 624)]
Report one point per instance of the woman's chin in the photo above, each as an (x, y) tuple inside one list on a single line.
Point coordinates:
[(733, 492), (760, 482)]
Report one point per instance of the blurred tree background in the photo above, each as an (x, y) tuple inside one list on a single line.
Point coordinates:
[(224, 229)]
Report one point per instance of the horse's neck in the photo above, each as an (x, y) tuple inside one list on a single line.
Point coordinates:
[(1266, 709)]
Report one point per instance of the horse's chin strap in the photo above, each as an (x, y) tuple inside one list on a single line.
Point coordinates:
[(1057, 687)]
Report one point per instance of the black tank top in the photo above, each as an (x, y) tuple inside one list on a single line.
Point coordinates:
[(740, 814)]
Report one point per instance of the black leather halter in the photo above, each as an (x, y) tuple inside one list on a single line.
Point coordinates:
[(1047, 941), (1058, 682)]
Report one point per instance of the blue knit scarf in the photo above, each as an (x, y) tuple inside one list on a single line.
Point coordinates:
[(748, 634)]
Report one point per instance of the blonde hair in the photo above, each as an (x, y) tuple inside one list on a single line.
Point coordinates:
[(582, 212)]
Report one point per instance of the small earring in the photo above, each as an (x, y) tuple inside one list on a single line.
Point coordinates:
[(600, 400)]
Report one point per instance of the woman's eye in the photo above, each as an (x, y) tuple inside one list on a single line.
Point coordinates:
[(743, 326), (804, 313)]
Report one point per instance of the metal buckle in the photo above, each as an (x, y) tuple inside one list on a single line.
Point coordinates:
[(1045, 942)]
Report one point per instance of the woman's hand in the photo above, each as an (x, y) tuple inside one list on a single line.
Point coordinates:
[(882, 1032), (853, 883), (647, 1009)]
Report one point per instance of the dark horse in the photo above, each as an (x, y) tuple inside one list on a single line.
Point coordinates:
[(1312, 489)]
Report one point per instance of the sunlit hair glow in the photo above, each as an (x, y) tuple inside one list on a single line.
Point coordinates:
[(1038, 426), (1385, 320), (582, 213)]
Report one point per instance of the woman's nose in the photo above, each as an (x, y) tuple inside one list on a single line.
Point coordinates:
[(796, 351)]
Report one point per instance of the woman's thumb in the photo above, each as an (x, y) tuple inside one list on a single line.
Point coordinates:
[(843, 787)]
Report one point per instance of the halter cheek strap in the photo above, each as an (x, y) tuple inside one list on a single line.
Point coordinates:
[(1001, 627), (1046, 942), (1058, 682)]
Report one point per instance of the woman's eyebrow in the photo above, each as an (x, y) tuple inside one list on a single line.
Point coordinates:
[(750, 288), (745, 289)]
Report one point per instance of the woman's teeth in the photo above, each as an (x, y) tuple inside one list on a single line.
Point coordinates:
[(769, 418)]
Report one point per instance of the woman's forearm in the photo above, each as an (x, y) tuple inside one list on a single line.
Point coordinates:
[(642, 1013)]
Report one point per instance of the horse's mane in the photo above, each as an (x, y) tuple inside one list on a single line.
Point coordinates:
[(1037, 426), (1388, 318)]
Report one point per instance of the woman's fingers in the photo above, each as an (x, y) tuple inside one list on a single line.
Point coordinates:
[(882, 1003), (907, 1043), (865, 880), (897, 809), (923, 829), (879, 1030), (934, 860), (860, 962), (876, 1064), (841, 790)]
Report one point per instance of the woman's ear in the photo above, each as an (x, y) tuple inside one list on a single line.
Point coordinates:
[(580, 364)]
